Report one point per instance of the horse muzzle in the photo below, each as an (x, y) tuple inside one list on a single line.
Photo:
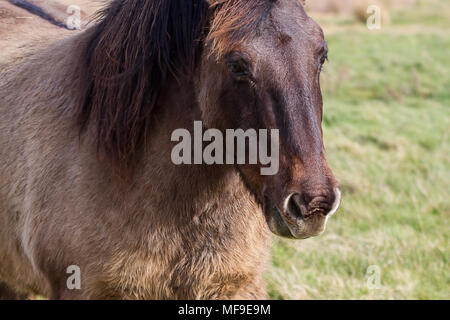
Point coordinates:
[(300, 216)]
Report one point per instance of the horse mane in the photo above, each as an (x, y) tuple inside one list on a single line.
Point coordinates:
[(135, 47)]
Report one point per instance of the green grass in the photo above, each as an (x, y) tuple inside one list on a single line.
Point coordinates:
[(386, 129), (426, 12)]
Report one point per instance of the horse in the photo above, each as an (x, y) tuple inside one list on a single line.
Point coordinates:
[(86, 177)]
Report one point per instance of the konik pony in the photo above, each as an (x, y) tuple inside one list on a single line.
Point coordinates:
[(86, 177)]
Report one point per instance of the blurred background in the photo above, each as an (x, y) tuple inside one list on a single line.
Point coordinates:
[(386, 126)]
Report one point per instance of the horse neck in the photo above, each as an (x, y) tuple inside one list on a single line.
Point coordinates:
[(185, 189)]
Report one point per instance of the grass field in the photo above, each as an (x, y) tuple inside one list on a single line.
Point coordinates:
[(386, 127)]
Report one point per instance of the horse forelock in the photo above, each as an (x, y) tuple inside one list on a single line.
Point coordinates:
[(235, 21)]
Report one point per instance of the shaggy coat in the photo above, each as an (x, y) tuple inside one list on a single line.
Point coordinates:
[(86, 176)]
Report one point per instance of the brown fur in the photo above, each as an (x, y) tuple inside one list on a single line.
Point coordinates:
[(168, 232)]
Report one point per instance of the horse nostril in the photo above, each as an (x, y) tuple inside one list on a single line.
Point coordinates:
[(337, 201), (294, 207), (320, 204), (302, 206), (326, 204)]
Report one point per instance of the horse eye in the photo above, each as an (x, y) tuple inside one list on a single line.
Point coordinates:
[(237, 68)]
